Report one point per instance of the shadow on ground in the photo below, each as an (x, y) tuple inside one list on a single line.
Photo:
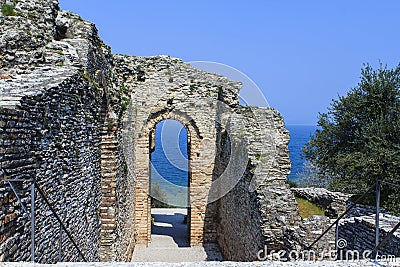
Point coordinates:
[(171, 225), (170, 241)]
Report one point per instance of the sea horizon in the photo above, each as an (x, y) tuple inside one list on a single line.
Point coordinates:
[(169, 160)]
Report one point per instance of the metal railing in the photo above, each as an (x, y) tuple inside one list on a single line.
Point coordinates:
[(378, 245), (34, 185)]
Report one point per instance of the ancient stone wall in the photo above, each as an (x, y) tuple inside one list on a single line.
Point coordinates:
[(359, 233), (334, 203), (80, 122), (254, 213), (17, 162), (55, 100), (118, 195), (357, 228), (53, 138), (160, 88)]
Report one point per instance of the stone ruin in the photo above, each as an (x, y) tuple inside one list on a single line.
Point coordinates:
[(357, 228), (79, 123)]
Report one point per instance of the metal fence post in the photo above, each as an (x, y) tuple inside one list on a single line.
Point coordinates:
[(337, 235), (33, 222), (378, 200), (60, 245)]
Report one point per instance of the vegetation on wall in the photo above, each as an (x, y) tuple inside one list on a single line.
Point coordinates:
[(8, 10)]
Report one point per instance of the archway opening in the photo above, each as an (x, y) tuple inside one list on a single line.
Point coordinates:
[(169, 184)]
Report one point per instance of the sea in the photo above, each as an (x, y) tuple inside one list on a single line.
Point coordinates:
[(299, 136), (169, 160)]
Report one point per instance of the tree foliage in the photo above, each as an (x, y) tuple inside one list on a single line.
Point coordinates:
[(359, 137)]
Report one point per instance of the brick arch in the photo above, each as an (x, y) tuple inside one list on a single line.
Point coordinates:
[(197, 181), (166, 114)]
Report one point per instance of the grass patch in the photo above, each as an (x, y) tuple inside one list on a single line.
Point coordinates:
[(8, 10), (308, 209)]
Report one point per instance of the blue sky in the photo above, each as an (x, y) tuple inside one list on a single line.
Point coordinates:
[(302, 54)]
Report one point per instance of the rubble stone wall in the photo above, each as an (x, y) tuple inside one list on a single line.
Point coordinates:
[(357, 228), (53, 138), (359, 233), (253, 214), (79, 121), (161, 88), (334, 203)]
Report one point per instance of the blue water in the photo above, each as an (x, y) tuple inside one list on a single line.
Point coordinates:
[(170, 158), (170, 163), (299, 135)]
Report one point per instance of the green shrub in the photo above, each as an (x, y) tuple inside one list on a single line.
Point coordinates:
[(292, 184), (357, 141), (8, 10), (123, 89)]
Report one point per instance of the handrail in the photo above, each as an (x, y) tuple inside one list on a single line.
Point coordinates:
[(32, 212), (43, 195), (384, 241), (16, 194), (341, 216), (378, 245), (59, 220)]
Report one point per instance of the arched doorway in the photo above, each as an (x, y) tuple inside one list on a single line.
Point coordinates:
[(200, 158), (169, 184)]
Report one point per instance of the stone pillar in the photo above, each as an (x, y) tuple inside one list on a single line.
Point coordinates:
[(109, 154), (142, 209)]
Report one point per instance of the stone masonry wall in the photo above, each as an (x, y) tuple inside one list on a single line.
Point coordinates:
[(17, 162), (61, 152), (254, 213), (359, 233), (118, 196), (334, 203), (55, 97), (159, 88), (357, 228), (79, 121)]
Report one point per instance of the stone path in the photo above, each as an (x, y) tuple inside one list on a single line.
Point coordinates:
[(169, 241), (363, 263)]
